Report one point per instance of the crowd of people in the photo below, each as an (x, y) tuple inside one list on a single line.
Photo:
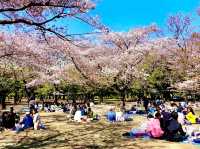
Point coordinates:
[(118, 115), (82, 113), (79, 112), (166, 121)]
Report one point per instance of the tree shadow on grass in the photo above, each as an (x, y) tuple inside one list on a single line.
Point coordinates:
[(37, 142), (82, 138)]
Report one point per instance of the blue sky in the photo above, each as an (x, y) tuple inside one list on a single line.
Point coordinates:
[(122, 15)]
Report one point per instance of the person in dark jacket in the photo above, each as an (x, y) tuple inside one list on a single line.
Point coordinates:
[(145, 104), (5, 120), (164, 121), (174, 131), (11, 118)]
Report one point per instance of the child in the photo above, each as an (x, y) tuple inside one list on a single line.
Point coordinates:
[(18, 126)]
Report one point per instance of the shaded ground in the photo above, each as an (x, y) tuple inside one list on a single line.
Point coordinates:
[(64, 134)]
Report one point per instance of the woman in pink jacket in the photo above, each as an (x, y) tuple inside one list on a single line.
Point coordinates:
[(154, 127)]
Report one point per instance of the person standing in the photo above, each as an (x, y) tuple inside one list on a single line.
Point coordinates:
[(145, 104)]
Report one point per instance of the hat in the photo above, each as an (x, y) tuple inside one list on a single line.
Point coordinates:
[(27, 113)]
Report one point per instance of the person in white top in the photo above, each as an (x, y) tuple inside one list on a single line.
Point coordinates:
[(36, 120), (78, 116), (119, 115)]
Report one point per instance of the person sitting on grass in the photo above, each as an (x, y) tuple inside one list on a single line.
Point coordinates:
[(78, 115), (174, 131), (154, 127), (18, 126), (5, 120), (11, 118), (151, 110), (119, 115), (133, 108), (27, 121), (90, 113), (65, 108), (151, 128), (46, 108), (1, 124), (72, 111), (36, 119), (83, 109), (180, 108), (8, 119), (191, 117), (111, 115), (181, 118)]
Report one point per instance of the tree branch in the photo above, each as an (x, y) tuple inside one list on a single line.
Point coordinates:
[(34, 4)]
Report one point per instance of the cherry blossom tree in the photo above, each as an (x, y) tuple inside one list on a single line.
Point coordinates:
[(186, 51), (38, 61), (44, 15), (184, 57), (113, 61)]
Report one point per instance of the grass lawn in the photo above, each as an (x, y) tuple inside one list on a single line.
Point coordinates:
[(65, 134)]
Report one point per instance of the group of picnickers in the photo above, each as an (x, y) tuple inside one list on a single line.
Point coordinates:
[(82, 113), (172, 122), (78, 112), (10, 120)]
